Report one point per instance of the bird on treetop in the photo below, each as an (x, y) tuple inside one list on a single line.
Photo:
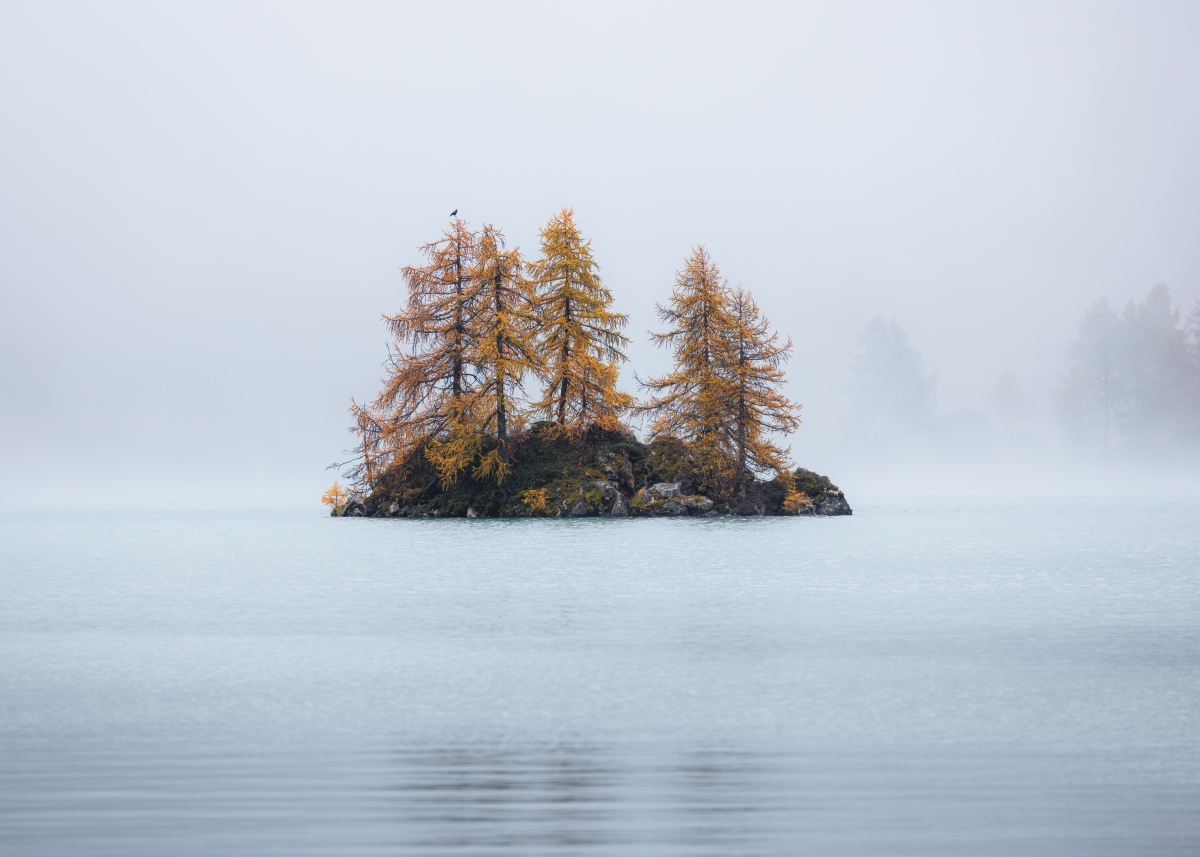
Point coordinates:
[(454, 213)]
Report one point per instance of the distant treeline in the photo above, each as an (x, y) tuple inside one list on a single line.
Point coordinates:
[(489, 342), (1131, 379)]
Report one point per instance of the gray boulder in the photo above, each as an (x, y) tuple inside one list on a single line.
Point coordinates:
[(665, 490), (834, 503), (697, 504), (580, 509), (620, 508), (352, 506)]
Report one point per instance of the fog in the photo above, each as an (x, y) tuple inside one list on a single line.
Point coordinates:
[(203, 211)]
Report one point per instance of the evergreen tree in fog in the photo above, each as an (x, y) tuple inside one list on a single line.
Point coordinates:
[(1136, 372), (1193, 329), (889, 387), (1155, 368), (1085, 400)]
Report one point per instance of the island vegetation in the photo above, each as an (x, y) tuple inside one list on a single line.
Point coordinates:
[(500, 395)]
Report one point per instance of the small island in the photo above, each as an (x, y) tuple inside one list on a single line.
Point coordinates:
[(598, 474), (454, 432)]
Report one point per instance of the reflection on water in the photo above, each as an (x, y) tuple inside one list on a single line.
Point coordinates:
[(928, 679), (594, 801)]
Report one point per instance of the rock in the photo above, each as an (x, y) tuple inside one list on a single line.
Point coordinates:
[(626, 474), (671, 508), (698, 503), (620, 507), (471, 513), (663, 490), (580, 509), (834, 503), (393, 510), (710, 515), (607, 489)]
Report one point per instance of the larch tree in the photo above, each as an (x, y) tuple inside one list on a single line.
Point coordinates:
[(501, 350), (693, 401), (755, 374), (424, 393), (580, 338)]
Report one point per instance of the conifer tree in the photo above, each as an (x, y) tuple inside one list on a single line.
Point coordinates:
[(755, 374), (891, 394), (580, 343), (723, 396), (1091, 390), (692, 402), (501, 349), (423, 396)]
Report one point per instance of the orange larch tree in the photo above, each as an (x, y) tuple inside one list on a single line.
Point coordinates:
[(755, 373), (722, 397), (580, 338), (693, 401), (500, 350), (424, 392)]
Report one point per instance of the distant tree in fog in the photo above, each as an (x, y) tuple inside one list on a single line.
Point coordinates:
[(1193, 329), (1155, 365), (888, 384), (1084, 401), (1008, 400), (1137, 371)]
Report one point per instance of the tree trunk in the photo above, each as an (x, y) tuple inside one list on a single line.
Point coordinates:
[(566, 355), (501, 415), (456, 378), (1106, 408), (742, 442), (741, 426)]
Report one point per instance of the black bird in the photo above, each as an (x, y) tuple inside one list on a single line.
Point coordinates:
[(454, 213)]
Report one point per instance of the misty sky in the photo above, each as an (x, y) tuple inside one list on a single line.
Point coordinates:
[(203, 209)]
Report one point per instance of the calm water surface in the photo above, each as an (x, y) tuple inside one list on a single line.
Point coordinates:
[(925, 678)]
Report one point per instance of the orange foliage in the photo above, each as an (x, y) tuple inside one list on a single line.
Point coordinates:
[(335, 496), (580, 342), (722, 397)]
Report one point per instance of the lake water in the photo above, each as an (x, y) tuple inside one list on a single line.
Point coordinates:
[(928, 677)]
